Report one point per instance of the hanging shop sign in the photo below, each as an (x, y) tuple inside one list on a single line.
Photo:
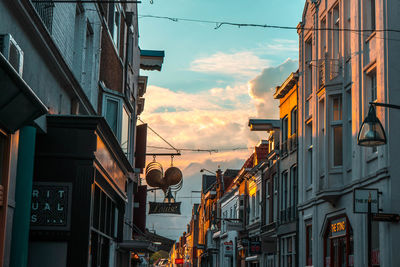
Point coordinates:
[(360, 200), (51, 206), (339, 227), (228, 248), (161, 207)]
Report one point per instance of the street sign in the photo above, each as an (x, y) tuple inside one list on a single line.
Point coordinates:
[(386, 217), (228, 247), (360, 200)]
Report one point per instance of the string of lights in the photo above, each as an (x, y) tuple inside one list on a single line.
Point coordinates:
[(219, 24)]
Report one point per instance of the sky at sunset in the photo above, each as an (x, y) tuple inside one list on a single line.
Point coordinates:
[(212, 81)]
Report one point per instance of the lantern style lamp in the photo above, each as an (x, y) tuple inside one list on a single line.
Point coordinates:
[(371, 133)]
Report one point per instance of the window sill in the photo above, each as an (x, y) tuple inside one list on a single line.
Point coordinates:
[(336, 170), (371, 157), (372, 35)]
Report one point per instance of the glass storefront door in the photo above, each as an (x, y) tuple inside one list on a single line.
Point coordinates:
[(339, 244)]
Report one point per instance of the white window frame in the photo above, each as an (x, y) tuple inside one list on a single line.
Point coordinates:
[(333, 124), (107, 97)]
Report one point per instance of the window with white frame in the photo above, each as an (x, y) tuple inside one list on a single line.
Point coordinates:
[(288, 251), (114, 22), (336, 131), (119, 119)]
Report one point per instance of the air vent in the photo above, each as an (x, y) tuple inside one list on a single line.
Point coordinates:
[(11, 51)]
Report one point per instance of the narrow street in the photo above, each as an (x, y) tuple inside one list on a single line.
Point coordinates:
[(199, 133)]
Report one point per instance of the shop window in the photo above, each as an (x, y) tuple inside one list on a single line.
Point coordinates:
[(336, 131), (104, 229), (288, 252), (339, 244), (309, 244)]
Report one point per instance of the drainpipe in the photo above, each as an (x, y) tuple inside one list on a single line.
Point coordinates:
[(23, 193)]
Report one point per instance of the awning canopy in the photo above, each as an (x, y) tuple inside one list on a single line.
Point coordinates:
[(151, 59), (19, 105), (252, 258), (138, 246)]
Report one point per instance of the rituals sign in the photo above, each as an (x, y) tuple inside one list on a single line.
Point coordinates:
[(161, 207), (50, 208)]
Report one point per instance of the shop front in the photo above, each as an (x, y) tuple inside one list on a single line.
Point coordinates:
[(338, 243), (79, 195)]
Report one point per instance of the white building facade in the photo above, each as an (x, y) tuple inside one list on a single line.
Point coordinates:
[(347, 59)]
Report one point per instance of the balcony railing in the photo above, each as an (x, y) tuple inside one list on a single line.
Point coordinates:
[(328, 69), (292, 142)]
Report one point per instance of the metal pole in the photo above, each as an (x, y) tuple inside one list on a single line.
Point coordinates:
[(369, 220), (23, 196)]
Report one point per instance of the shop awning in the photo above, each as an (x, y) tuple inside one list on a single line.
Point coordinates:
[(253, 258), (19, 105), (151, 59), (138, 246)]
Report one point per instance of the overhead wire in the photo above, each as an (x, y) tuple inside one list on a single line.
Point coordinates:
[(219, 24)]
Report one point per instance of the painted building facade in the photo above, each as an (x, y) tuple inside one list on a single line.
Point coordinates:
[(70, 82), (340, 72)]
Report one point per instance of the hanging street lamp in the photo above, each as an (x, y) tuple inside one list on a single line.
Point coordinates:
[(371, 133)]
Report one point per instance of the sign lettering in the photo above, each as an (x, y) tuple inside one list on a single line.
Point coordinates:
[(50, 206), (338, 227), (161, 207), (360, 200)]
